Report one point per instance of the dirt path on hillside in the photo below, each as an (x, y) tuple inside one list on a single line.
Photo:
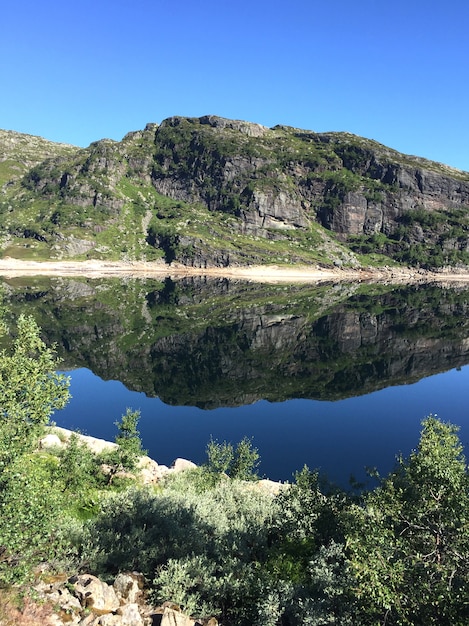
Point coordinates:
[(12, 268)]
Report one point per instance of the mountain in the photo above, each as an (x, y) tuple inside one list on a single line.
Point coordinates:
[(212, 191)]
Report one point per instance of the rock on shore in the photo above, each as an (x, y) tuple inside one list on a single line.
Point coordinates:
[(148, 469)]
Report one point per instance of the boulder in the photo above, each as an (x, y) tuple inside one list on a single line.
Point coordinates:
[(272, 487), (172, 617), (150, 471), (128, 587), (57, 594), (95, 594), (105, 620), (180, 465), (130, 615), (95, 445), (50, 441)]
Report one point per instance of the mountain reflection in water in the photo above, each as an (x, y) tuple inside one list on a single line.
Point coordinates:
[(215, 344)]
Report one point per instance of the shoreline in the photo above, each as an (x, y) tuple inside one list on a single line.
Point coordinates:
[(15, 268)]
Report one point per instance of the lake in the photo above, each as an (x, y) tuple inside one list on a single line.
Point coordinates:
[(337, 377)]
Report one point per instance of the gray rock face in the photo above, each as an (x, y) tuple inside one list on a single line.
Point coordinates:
[(277, 195), (247, 128), (273, 210)]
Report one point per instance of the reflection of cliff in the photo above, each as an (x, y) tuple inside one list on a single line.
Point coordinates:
[(348, 352), (212, 343)]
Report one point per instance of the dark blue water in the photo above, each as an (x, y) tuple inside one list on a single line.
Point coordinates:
[(202, 343), (340, 438)]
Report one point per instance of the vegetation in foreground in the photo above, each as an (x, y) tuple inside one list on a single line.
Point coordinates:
[(211, 540)]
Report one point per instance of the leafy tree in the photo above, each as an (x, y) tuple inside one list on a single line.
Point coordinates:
[(30, 391), (219, 456), (240, 463), (245, 462), (410, 549), (124, 458), (77, 469)]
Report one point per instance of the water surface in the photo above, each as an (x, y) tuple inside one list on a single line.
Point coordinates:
[(337, 377)]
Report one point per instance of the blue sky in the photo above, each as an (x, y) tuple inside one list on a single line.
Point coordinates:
[(395, 71)]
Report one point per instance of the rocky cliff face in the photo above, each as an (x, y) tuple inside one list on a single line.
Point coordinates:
[(215, 191), (282, 178)]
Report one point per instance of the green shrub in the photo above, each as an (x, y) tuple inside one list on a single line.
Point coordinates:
[(32, 508), (78, 469), (124, 458), (240, 463), (408, 545)]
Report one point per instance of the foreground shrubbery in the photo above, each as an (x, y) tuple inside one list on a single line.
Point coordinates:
[(214, 541)]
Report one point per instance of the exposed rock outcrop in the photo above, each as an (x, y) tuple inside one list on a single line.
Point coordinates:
[(278, 190), (85, 600)]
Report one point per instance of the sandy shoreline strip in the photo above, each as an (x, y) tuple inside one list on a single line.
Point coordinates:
[(13, 268)]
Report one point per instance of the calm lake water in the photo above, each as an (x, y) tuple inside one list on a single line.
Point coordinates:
[(337, 377)]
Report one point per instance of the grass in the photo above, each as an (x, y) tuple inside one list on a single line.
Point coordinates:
[(10, 169), (24, 250)]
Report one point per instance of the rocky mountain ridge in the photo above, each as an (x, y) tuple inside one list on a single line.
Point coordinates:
[(211, 191), (20, 152)]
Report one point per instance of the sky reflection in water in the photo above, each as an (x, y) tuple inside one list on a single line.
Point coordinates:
[(341, 438)]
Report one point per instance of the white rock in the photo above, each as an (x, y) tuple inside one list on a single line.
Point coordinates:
[(271, 486), (50, 441), (128, 587), (130, 615), (107, 620), (95, 445), (180, 465), (150, 471), (174, 618), (95, 594)]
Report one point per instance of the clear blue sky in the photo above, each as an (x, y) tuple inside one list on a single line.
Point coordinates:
[(397, 72)]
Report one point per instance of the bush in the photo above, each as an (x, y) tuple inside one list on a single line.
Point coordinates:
[(124, 458), (30, 390), (409, 544), (240, 463), (78, 468)]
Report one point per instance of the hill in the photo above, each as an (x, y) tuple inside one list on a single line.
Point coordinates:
[(216, 192)]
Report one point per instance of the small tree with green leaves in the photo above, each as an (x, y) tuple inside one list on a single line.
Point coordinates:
[(410, 548), (240, 463), (77, 469), (30, 390), (245, 462), (125, 457)]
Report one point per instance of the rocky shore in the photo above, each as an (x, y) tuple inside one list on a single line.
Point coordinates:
[(149, 471), (11, 268), (84, 599)]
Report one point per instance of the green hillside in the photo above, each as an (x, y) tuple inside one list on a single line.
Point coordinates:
[(215, 192)]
